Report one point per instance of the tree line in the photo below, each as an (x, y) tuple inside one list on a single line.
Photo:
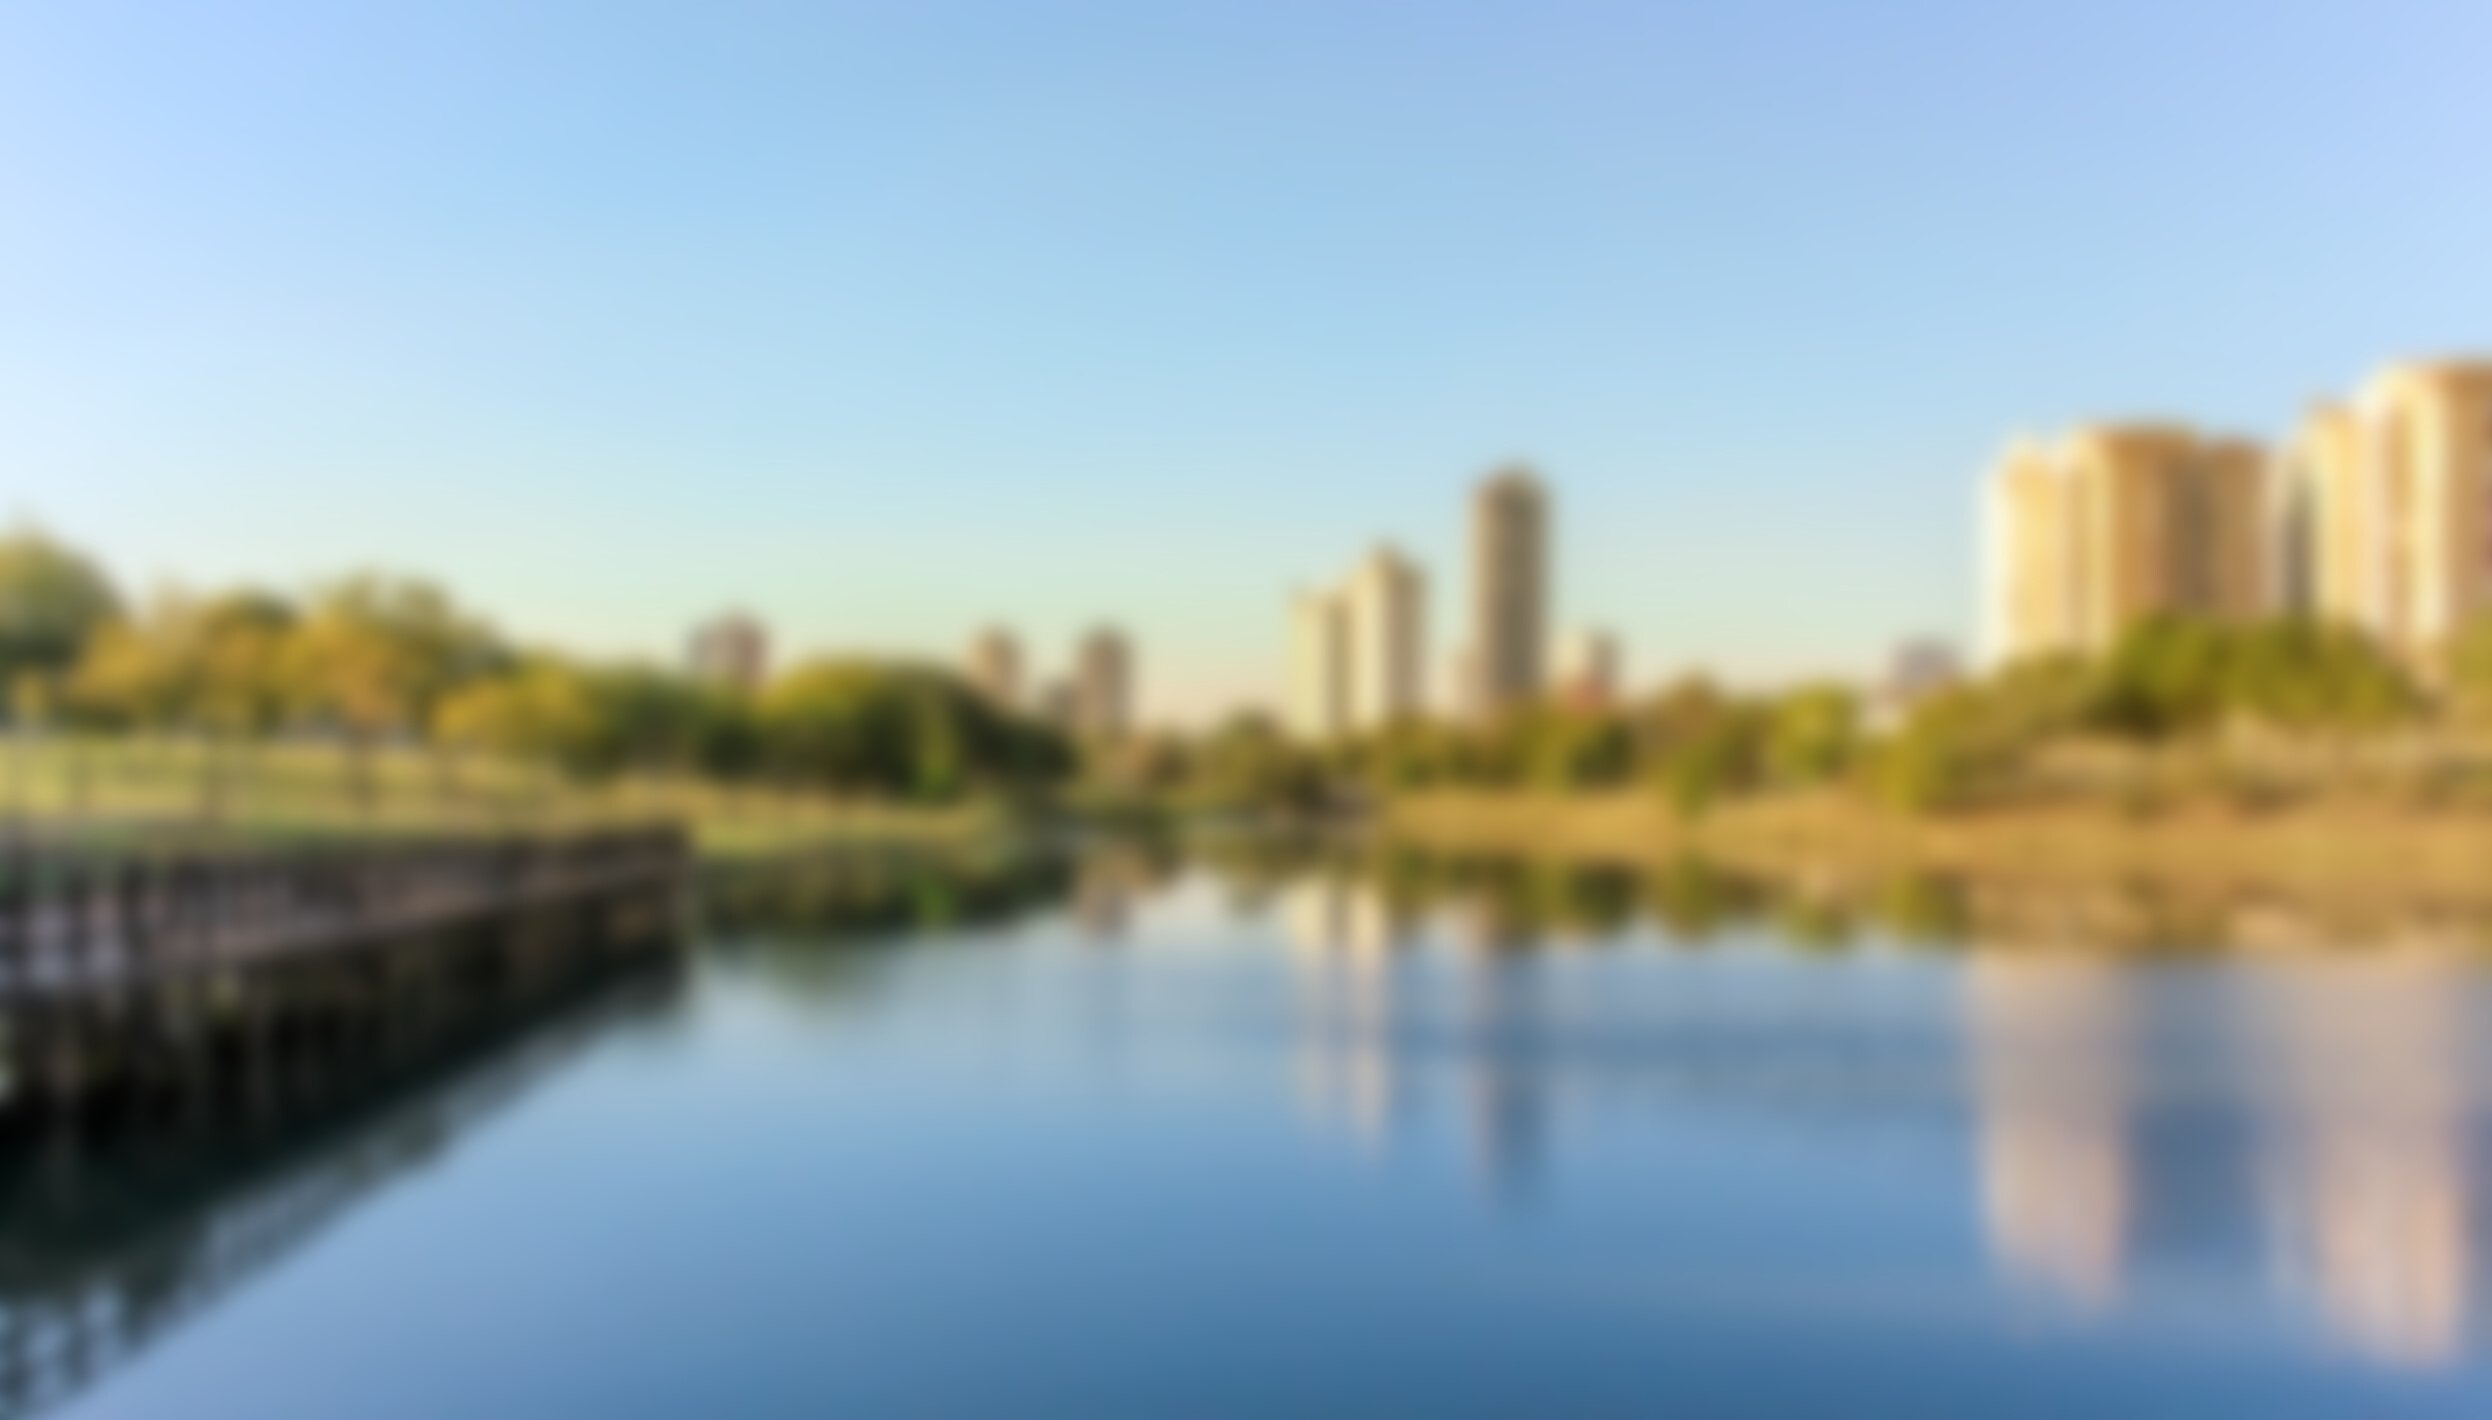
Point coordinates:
[(369, 661), (2168, 684)]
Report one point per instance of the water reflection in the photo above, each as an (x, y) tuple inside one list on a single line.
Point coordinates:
[(2301, 1127), (1358, 1022), (2286, 1145), (1340, 939), (2376, 1144), (2310, 1120), (114, 1229)]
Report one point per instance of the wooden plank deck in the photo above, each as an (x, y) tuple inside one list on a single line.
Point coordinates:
[(73, 926)]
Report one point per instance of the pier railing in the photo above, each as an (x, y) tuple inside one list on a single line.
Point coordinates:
[(76, 923)]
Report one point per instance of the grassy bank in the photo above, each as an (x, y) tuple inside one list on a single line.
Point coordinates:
[(117, 784), (2344, 850)]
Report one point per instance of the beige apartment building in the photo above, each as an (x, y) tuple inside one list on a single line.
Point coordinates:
[(2110, 525), (1358, 655), (994, 667), (1385, 605), (1509, 591), (1319, 665), (2383, 518)]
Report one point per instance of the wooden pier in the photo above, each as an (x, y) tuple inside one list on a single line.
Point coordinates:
[(79, 925), (119, 972)]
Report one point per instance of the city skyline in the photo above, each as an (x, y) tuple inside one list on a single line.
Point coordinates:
[(768, 309)]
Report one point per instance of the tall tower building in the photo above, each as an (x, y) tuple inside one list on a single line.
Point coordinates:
[(994, 667), (1103, 685), (1385, 604), (1319, 665), (731, 651), (2111, 525), (1509, 590)]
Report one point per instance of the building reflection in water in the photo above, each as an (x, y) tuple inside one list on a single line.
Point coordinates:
[(1342, 939), (1358, 1019), (2372, 1184), (2051, 1042), (1108, 882), (1506, 1086), (2303, 1122)]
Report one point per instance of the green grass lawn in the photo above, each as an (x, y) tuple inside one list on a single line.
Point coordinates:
[(121, 786)]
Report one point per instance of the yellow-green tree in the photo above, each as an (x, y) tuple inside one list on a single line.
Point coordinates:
[(372, 659), (52, 600)]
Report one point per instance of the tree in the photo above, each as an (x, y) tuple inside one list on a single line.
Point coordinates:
[(52, 600), (374, 657), (1698, 744), (1571, 748), (1697, 773), (2470, 669), (543, 710), (1812, 735), (869, 726), (1249, 763)]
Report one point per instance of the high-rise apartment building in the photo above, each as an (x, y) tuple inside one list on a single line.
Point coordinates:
[(731, 651), (2110, 525), (994, 667), (1319, 665), (2385, 507), (1385, 606), (1103, 679), (1509, 590), (1358, 654)]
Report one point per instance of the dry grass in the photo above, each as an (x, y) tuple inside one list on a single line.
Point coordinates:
[(2343, 848)]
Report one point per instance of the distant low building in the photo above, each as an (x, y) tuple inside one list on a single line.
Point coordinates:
[(1103, 686), (1463, 699), (731, 651), (1060, 705), (994, 667), (1589, 672), (1918, 671)]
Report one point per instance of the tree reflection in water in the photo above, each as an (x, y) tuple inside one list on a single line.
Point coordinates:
[(2146, 1108)]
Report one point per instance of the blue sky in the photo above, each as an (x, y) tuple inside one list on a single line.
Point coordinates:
[(890, 319)]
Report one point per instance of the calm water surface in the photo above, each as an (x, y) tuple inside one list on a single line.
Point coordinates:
[(1188, 1150)]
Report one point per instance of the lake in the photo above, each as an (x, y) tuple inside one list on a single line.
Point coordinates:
[(1148, 1138)]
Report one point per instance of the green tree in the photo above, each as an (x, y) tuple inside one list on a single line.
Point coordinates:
[(544, 710), (213, 667), (877, 727), (52, 600), (1572, 749), (1247, 762), (373, 658), (1813, 734)]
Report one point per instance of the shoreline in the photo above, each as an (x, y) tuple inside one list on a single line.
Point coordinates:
[(2277, 877)]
